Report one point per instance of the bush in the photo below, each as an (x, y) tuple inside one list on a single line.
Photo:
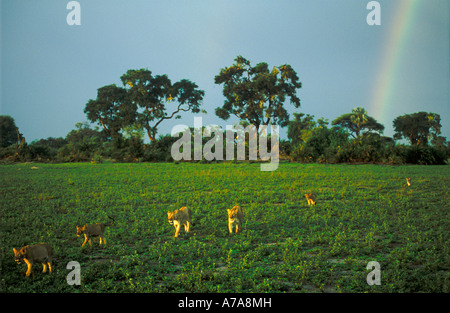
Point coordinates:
[(154, 154), (368, 148), (322, 146), (303, 153), (160, 150), (425, 155)]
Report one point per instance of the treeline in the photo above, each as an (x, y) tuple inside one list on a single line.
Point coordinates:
[(357, 138), (256, 95), (309, 141), (85, 144)]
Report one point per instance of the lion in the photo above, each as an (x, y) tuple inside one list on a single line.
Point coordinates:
[(180, 217), (40, 252), (93, 230), (311, 198), (408, 181), (235, 217)]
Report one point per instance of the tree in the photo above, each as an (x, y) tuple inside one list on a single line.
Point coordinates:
[(256, 94), (9, 132), (418, 128), (46, 149), (111, 109), (318, 142), (82, 143), (157, 99), (358, 121), (300, 129)]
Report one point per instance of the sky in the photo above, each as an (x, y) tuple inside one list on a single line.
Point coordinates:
[(49, 69)]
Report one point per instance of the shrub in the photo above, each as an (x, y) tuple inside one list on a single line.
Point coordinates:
[(425, 155), (368, 148)]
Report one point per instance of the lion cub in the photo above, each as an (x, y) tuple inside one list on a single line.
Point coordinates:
[(94, 230), (40, 252), (178, 218), (311, 198), (408, 181), (235, 217)]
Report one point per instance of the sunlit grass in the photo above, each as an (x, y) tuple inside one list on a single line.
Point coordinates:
[(363, 213)]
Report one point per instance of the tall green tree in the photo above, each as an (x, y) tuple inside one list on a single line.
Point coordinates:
[(157, 99), (357, 122), (82, 143), (257, 94), (111, 109), (9, 132), (300, 128), (418, 127)]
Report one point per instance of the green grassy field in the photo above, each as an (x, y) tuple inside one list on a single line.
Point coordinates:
[(364, 213)]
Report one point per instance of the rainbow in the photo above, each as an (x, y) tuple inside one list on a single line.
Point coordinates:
[(394, 47)]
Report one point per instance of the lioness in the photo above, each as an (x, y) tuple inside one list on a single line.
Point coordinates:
[(235, 217), (93, 230), (180, 217), (311, 198), (40, 252), (408, 181)]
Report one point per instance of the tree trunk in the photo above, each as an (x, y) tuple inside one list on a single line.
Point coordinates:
[(151, 134)]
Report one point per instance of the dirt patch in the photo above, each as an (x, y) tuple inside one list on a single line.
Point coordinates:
[(325, 289), (103, 259), (336, 261)]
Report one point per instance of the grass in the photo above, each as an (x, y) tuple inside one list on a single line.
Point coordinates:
[(364, 213)]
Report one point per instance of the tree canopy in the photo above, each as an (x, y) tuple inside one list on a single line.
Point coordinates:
[(300, 129), (9, 132), (357, 121), (157, 99), (418, 127), (257, 94), (111, 109)]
